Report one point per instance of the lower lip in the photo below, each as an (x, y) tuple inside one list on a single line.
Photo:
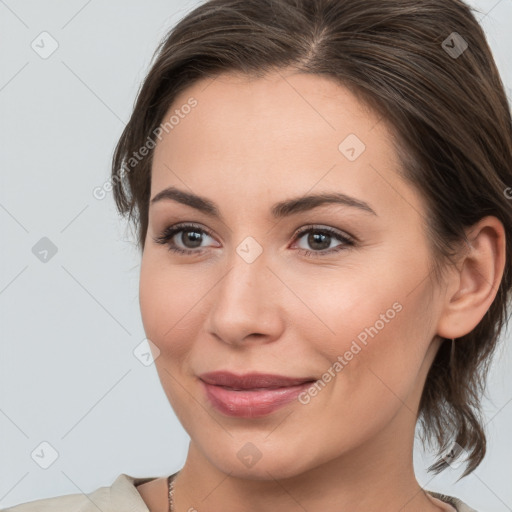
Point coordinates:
[(251, 404)]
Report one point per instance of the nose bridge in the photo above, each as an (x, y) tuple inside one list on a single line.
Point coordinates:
[(248, 277), (246, 301)]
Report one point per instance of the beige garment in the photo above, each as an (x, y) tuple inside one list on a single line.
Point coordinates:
[(122, 496)]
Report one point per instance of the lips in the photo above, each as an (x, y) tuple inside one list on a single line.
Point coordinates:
[(252, 380), (251, 395)]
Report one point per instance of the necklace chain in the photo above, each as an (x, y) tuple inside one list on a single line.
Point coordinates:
[(171, 493)]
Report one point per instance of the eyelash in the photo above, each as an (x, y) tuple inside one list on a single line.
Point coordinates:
[(166, 239)]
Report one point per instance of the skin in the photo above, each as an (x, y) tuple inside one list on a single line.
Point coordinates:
[(248, 144)]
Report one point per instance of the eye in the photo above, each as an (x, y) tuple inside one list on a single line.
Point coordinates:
[(320, 239), (191, 236)]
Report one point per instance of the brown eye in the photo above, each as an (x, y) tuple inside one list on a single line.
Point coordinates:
[(320, 239), (189, 236)]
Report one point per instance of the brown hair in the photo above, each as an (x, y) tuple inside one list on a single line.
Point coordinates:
[(405, 59)]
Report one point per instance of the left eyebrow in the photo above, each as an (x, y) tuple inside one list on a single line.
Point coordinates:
[(278, 210), (305, 203)]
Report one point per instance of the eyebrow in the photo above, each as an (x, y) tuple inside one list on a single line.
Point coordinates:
[(279, 210)]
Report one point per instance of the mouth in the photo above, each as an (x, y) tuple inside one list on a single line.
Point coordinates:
[(252, 380), (251, 395)]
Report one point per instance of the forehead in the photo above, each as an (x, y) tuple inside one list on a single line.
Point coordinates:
[(284, 106), (286, 132)]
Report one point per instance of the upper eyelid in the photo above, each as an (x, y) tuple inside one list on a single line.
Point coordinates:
[(329, 229), (299, 232)]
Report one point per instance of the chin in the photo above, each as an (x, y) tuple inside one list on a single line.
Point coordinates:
[(254, 461), (271, 470)]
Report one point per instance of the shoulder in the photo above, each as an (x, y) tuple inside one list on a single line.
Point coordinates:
[(71, 503), (121, 495), (459, 505)]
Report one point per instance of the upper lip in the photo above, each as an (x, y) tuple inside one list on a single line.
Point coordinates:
[(252, 380)]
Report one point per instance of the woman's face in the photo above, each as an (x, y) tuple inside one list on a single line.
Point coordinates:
[(267, 289)]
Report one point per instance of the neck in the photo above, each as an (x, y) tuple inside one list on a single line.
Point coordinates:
[(364, 479)]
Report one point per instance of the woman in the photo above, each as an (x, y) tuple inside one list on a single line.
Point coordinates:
[(321, 192)]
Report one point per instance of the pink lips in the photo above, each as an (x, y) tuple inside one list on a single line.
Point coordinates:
[(251, 395)]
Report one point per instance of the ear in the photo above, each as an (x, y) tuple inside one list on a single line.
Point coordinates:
[(473, 285)]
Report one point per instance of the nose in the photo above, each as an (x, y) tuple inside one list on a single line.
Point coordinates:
[(246, 305)]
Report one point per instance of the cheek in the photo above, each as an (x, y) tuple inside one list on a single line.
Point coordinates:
[(152, 298), (341, 306), (373, 318), (170, 299), (158, 299), (170, 320), (389, 349)]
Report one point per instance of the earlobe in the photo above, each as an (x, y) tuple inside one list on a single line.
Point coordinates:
[(479, 276)]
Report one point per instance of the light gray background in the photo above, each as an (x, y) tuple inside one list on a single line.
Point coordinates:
[(68, 327)]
